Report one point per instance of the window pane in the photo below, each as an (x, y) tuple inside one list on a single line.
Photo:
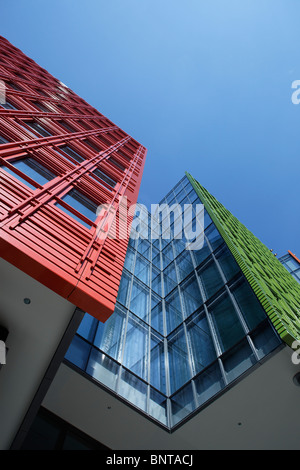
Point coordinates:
[(238, 360), (144, 246), (105, 178), (158, 406), (136, 348), (139, 303), (92, 145), (3, 140), (156, 261), (109, 336), (201, 254), (249, 305), (183, 404), (170, 279), (142, 269), (78, 352), (211, 279), (173, 311), (165, 259), (82, 204), (214, 237), (88, 327), (228, 326), (7, 105), (66, 211), (178, 360), (117, 164), (292, 264), (156, 281), (157, 364), (227, 262), (38, 128), (129, 259), (103, 369), (71, 153), (184, 265), (123, 292), (41, 107), (168, 253), (8, 170), (265, 340), (208, 383), (201, 342), (66, 126), (191, 295), (133, 389), (179, 246), (33, 169), (157, 318)]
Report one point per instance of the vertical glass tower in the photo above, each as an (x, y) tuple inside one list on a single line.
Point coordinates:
[(186, 324)]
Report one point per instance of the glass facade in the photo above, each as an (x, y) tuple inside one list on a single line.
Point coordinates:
[(292, 265), (186, 323)]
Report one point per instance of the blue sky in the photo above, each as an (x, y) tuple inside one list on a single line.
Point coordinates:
[(205, 85)]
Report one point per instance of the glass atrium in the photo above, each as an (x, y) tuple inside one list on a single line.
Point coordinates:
[(186, 324)]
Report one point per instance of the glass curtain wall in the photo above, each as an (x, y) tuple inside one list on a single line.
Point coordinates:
[(186, 323), (292, 265)]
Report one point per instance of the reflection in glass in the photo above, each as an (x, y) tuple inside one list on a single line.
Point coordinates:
[(227, 262), (133, 389), (139, 303), (173, 311), (157, 363), (33, 169), (265, 340), (228, 326), (211, 279), (201, 342), (238, 360), (103, 369), (158, 406), (110, 334), (165, 349), (178, 360), (191, 296), (209, 383), (251, 309), (183, 404), (78, 352), (136, 355)]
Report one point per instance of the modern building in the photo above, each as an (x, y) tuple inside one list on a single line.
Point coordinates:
[(64, 171), (181, 334)]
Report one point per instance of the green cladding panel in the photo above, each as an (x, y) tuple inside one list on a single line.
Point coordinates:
[(277, 291)]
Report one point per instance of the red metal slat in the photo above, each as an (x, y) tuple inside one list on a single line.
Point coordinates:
[(35, 235)]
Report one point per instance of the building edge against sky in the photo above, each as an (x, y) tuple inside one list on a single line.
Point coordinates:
[(277, 291), (52, 143), (175, 394), (60, 159)]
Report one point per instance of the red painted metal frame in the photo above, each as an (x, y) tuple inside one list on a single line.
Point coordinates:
[(37, 236)]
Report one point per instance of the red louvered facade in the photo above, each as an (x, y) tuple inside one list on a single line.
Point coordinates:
[(46, 127)]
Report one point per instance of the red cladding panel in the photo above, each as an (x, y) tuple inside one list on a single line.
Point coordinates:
[(45, 124)]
